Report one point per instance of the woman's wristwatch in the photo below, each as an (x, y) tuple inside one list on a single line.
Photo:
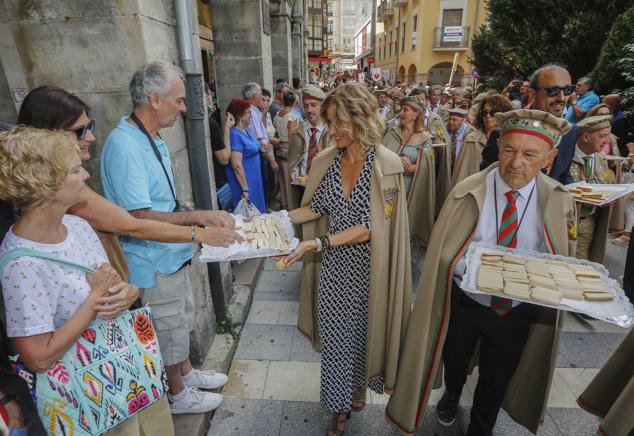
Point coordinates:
[(245, 189)]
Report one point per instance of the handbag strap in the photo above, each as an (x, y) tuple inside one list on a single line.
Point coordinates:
[(20, 252), (157, 153)]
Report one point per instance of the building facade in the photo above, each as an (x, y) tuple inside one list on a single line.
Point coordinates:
[(421, 40)]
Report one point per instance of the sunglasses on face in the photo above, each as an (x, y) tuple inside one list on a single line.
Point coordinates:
[(554, 91), (82, 130), (485, 113)]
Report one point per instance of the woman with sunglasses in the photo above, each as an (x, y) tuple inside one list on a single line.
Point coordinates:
[(468, 161), (52, 108)]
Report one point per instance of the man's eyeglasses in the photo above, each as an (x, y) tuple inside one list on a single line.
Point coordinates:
[(81, 131), (554, 91), (485, 113)]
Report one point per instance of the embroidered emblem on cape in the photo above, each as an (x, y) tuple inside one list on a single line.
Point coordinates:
[(572, 230), (389, 197)]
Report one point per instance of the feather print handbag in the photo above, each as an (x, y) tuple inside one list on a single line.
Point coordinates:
[(109, 374)]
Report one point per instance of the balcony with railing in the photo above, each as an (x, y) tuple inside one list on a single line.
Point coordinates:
[(451, 37), (386, 10), (399, 3)]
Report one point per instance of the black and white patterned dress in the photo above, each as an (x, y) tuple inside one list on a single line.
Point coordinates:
[(344, 284)]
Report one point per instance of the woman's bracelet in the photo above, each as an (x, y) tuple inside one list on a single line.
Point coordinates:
[(325, 242), (319, 245), (245, 189), (193, 233)]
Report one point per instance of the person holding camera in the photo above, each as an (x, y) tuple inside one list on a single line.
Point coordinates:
[(137, 175)]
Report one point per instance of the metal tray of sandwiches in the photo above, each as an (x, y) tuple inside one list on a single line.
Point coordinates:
[(544, 279), (598, 194), (265, 235)]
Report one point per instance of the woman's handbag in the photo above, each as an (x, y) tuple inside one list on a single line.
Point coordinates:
[(109, 374)]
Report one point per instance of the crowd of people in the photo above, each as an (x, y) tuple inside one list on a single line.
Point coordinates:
[(368, 174)]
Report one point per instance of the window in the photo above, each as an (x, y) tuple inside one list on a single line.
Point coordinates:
[(390, 43), (403, 38), (414, 27), (396, 40), (451, 17), (384, 44), (379, 52)]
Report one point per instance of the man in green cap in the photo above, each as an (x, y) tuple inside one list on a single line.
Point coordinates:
[(306, 141), (589, 165), (510, 204)]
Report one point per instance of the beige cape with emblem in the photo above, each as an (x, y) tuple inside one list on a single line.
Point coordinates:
[(421, 357), (610, 395), (390, 277), (296, 146), (468, 161), (421, 199), (602, 219)]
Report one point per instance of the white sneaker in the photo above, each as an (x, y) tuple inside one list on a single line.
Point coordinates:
[(194, 401), (205, 379)]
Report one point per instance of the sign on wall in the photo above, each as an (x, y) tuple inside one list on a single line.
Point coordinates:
[(452, 34)]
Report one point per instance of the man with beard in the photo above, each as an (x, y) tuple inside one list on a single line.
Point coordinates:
[(550, 89)]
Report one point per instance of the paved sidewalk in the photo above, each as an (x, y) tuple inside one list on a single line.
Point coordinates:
[(273, 384)]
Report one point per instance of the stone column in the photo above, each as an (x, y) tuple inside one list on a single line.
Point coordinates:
[(281, 45), (242, 38), (297, 38), (93, 52)]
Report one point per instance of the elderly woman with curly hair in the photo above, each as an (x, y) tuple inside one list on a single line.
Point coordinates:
[(470, 154), (49, 305), (355, 290)]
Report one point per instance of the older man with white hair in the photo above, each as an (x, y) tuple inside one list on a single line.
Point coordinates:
[(137, 175)]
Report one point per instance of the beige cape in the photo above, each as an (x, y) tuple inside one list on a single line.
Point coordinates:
[(390, 277), (610, 395), (421, 199), (468, 162), (420, 359), (437, 129), (602, 220)]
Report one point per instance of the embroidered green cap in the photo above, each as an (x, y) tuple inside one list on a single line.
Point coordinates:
[(414, 103), (533, 122), (592, 124)]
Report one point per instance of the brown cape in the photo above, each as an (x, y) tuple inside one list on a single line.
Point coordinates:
[(602, 220), (468, 161), (390, 277), (296, 147), (610, 395), (420, 361), (421, 199)]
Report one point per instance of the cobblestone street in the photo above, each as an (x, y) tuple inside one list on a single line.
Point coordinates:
[(273, 384)]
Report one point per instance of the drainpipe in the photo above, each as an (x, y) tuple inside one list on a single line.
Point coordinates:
[(197, 151)]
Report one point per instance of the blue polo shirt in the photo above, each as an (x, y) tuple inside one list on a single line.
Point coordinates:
[(586, 102), (132, 177)]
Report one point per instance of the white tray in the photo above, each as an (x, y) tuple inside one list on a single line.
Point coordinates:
[(618, 311), (243, 250), (616, 191)]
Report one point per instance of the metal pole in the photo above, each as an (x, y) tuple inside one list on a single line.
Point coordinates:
[(202, 183)]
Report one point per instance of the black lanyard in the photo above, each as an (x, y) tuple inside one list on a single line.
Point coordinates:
[(157, 153), (495, 198)]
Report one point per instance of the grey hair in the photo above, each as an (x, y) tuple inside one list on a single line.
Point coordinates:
[(250, 89), (153, 77), (586, 80)]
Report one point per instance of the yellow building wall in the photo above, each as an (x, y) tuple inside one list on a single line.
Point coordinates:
[(424, 56)]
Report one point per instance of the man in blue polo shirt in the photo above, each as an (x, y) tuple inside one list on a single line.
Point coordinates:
[(137, 175), (581, 101)]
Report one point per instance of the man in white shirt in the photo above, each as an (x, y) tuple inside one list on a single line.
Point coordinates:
[(384, 105), (512, 205)]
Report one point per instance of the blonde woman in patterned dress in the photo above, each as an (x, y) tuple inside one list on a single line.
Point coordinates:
[(355, 290)]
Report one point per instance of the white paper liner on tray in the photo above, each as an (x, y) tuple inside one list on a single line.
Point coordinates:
[(618, 311), (244, 250), (616, 191)]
